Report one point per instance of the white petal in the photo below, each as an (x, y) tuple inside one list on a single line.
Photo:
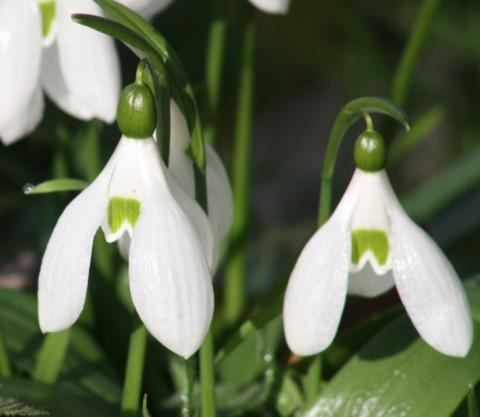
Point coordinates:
[(26, 121), (146, 8), (170, 281), (272, 6), (124, 246), (317, 287), (64, 271), (219, 192), (199, 220), (80, 71), (179, 164), (366, 283), (20, 54), (429, 287)]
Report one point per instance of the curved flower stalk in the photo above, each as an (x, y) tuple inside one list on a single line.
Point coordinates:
[(171, 242), (368, 245), (41, 49), (219, 193)]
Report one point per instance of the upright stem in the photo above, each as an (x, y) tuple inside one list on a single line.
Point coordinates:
[(235, 283), (214, 67), (5, 367), (411, 53), (187, 399), (51, 356), (132, 385), (207, 377)]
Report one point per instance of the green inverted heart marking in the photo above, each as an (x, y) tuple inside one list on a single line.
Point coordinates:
[(122, 210), (47, 10), (375, 241)]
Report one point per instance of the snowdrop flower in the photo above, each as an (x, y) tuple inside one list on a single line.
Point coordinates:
[(171, 240), (41, 49), (367, 246)]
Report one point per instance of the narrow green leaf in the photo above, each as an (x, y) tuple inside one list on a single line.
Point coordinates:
[(472, 402), (394, 374), (52, 354), (54, 186)]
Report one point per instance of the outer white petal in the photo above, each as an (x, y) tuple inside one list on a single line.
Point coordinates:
[(170, 281), (64, 271), (80, 71), (272, 6), (26, 121), (179, 164), (366, 283), (317, 288), (219, 192), (147, 8), (429, 287), (20, 54), (199, 220)]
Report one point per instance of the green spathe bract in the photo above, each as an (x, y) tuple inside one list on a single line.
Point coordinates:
[(375, 241), (122, 210), (369, 152), (47, 10), (137, 114)]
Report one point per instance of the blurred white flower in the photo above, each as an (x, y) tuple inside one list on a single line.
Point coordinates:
[(272, 6), (169, 255), (367, 246), (41, 49)]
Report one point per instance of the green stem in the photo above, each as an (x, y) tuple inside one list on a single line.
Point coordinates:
[(132, 386), (421, 28), (187, 399), (51, 356), (5, 367), (313, 380), (235, 281), (207, 377), (214, 68)]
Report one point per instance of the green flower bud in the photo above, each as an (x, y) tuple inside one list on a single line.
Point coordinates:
[(369, 152), (136, 113)]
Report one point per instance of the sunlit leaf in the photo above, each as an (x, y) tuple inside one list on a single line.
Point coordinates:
[(55, 186)]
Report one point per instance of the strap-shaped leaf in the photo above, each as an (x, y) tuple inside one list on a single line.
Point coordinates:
[(54, 186)]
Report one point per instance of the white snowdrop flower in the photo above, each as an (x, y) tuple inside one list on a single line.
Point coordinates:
[(219, 193), (272, 6), (135, 197), (42, 49), (368, 245)]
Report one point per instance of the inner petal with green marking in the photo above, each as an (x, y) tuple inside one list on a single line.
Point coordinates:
[(374, 241), (122, 210), (47, 10)]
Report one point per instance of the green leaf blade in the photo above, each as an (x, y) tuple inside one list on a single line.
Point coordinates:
[(54, 186)]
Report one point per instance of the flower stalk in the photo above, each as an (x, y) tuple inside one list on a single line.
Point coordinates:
[(235, 282)]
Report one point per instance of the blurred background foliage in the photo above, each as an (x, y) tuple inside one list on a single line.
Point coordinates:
[(309, 63)]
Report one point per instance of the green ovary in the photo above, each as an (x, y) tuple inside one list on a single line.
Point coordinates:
[(375, 241), (47, 10), (122, 210)]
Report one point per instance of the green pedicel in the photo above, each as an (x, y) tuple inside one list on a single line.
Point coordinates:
[(121, 210), (47, 10), (375, 241)]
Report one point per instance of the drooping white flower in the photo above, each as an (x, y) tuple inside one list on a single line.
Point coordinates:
[(272, 6), (219, 193), (169, 255), (367, 246), (42, 49)]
